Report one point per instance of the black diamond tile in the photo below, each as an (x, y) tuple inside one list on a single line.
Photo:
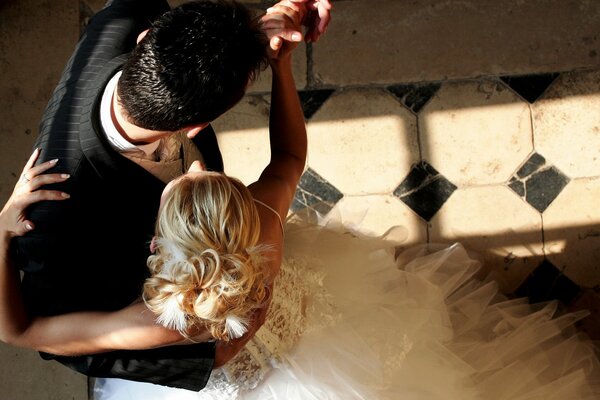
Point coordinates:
[(548, 283), (424, 190), (315, 193), (530, 87), (538, 183), (312, 100), (517, 186), (414, 97), (533, 163)]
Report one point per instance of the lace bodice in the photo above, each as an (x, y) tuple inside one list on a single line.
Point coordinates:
[(299, 304)]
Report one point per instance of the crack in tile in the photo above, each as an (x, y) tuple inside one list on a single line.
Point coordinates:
[(525, 179), (426, 182), (537, 182)]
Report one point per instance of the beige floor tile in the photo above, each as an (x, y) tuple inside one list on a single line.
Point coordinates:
[(566, 124), (24, 375), (475, 133), (498, 225), (243, 137), (572, 231), (375, 215), (36, 39), (97, 5), (362, 141), (388, 41)]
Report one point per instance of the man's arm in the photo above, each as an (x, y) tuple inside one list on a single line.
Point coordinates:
[(131, 328)]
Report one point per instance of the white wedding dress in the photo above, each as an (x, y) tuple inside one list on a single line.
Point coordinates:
[(350, 320)]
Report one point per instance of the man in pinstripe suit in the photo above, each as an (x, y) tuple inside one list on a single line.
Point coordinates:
[(111, 123)]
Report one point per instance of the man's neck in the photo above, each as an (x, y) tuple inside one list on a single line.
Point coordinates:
[(130, 132)]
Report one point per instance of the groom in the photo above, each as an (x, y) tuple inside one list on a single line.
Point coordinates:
[(120, 122)]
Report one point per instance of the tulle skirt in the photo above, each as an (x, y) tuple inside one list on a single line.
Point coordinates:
[(366, 323)]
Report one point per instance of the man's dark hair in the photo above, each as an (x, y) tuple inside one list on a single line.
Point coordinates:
[(192, 66)]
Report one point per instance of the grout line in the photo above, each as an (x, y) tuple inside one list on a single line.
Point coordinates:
[(532, 124), (543, 236), (311, 82)]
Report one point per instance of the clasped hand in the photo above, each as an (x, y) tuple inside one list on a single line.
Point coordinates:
[(282, 24)]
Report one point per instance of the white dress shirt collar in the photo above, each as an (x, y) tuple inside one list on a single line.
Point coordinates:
[(116, 140)]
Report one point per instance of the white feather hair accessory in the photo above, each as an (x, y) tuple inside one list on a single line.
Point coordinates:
[(236, 326), (175, 254), (172, 316)]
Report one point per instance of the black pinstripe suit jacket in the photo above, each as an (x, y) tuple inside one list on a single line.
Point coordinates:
[(89, 252)]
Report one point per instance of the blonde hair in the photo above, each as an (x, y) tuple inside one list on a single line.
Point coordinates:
[(208, 268)]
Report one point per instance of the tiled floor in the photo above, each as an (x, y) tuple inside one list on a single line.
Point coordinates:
[(462, 121)]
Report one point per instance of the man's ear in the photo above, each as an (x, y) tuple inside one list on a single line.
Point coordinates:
[(193, 130), (142, 35)]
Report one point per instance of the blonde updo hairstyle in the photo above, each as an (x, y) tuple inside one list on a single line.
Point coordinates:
[(207, 269)]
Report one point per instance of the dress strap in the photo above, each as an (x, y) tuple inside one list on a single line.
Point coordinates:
[(273, 210)]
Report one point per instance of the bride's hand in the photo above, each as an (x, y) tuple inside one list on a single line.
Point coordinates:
[(13, 218), (282, 26)]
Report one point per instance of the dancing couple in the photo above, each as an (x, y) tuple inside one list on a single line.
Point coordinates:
[(147, 267)]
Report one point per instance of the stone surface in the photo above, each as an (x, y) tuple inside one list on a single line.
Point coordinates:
[(475, 133), (31, 60), (36, 39), (24, 375), (572, 232), (538, 182), (567, 124), (362, 141), (414, 97), (315, 194), (388, 41), (243, 137), (424, 190), (530, 87), (312, 100), (548, 283), (495, 223)]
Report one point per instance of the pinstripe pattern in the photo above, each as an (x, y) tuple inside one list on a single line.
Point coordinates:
[(88, 253)]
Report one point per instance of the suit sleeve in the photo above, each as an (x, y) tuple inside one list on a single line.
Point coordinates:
[(185, 367)]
